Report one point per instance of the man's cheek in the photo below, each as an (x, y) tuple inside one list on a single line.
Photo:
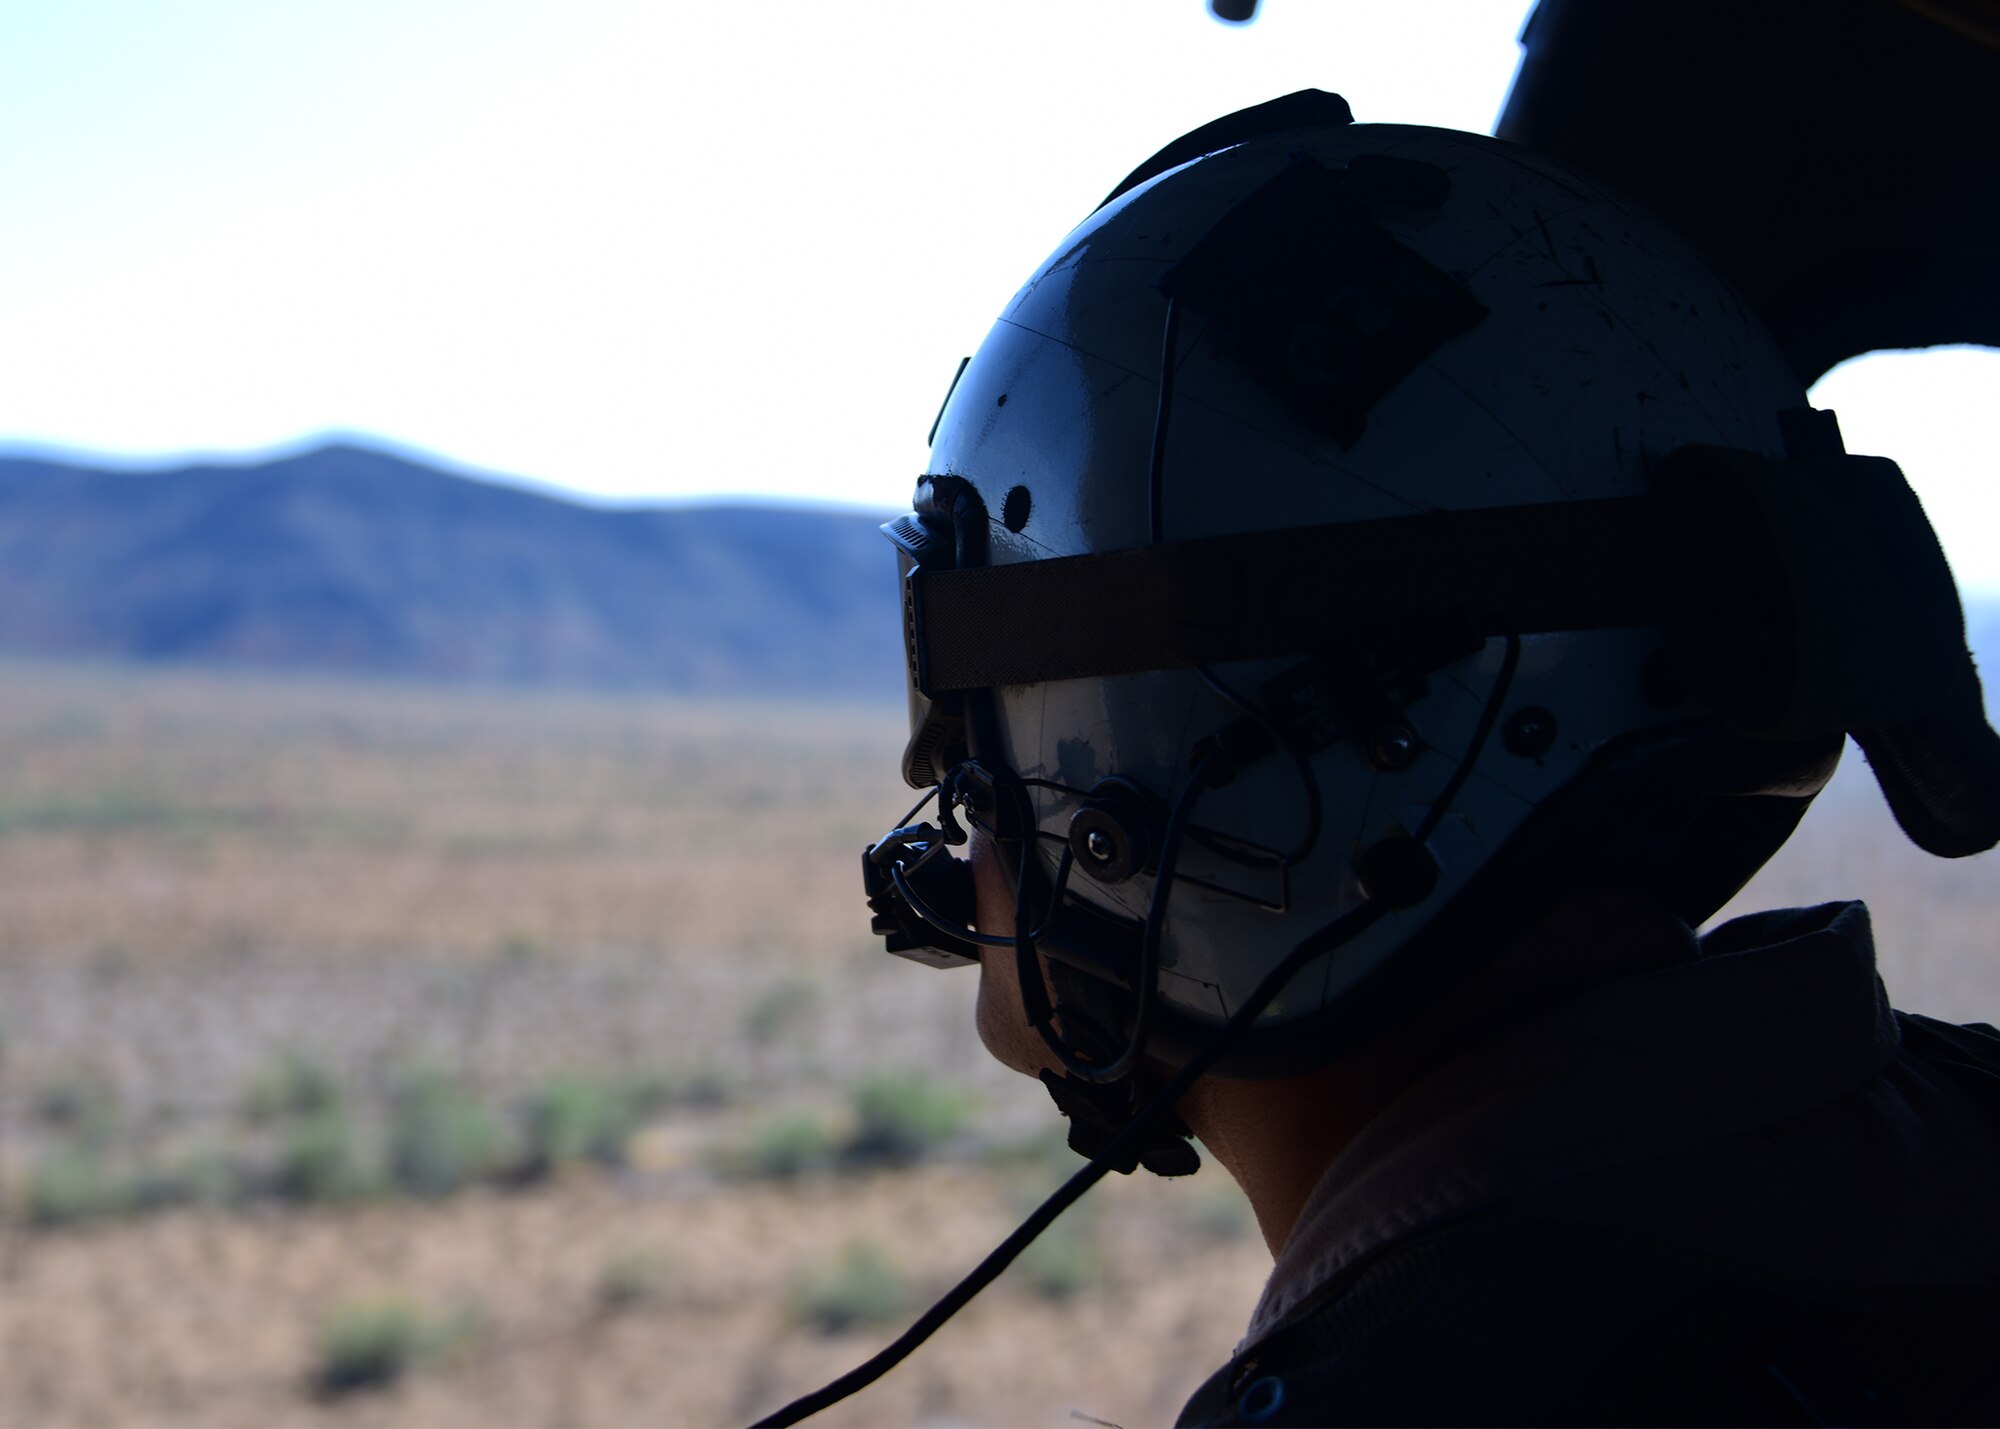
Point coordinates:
[(993, 906), (1003, 1026)]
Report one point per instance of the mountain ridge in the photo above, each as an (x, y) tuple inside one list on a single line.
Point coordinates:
[(348, 559)]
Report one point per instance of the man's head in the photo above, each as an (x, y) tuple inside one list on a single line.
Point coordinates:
[(1350, 542)]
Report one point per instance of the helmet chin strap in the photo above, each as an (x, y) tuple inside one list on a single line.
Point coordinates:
[(1099, 1112)]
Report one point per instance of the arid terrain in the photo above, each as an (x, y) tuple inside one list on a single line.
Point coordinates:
[(378, 1054)]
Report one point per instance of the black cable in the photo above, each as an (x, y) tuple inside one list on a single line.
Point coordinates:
[(937, 920), (936, 791), (1343, 929)]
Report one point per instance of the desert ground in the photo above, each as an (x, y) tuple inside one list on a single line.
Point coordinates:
[(387, 1055)]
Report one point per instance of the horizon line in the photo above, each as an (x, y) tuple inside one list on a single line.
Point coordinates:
[(59, 453)]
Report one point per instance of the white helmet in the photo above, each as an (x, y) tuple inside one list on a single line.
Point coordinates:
[(1352, 539)]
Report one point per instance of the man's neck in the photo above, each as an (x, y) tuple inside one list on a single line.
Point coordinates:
[(1277, 1138)]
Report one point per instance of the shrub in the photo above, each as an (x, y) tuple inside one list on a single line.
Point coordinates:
[(1035, 1158), (575, 1120), (1062, 1261), (777, 1009), (317, 1160), (203, 1177), (291, 1086), (787, 1146), (441, 1138), (520, 945), (73, 1186), (862, 1286), (367, 1343), (900, 1119), (637, 1275)]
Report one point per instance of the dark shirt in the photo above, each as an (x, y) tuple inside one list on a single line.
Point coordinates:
[(1755, 1126)]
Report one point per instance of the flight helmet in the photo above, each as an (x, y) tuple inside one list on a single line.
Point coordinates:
[(1350, 541)]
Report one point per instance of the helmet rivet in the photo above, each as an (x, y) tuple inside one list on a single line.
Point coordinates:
[(1394, 746), (1529, 732), (1109, 835)]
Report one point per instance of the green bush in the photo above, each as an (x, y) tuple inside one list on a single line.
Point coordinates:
[(783, 1148), (317, 1160), (290, 1086), (576, 1120), (520, 945), (1062, 1261), (441, 1137), (778, 1008), (861, 1287), (637, 1275), (73, 1185), (203, 1177), (368, 1343), (900, 1119), (1035, 1159)]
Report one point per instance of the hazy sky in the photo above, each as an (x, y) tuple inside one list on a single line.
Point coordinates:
[(640, 250)]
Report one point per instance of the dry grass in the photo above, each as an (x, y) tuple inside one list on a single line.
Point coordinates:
[(204, 873), (211, 1321), (200, 874), (170, 814)]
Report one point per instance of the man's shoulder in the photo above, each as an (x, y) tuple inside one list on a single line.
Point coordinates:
[(1507, 1318)]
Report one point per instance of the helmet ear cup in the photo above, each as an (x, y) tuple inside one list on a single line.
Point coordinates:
[(1115, 834)]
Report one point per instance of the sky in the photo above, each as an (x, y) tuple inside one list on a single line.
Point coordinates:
[(635, 250)]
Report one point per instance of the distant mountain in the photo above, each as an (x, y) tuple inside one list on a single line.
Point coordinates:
[(346, 559)]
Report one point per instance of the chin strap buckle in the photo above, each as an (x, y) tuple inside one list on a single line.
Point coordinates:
[(1097, 1112)]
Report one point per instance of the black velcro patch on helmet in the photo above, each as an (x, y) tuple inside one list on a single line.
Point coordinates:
[(1318, 302)]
